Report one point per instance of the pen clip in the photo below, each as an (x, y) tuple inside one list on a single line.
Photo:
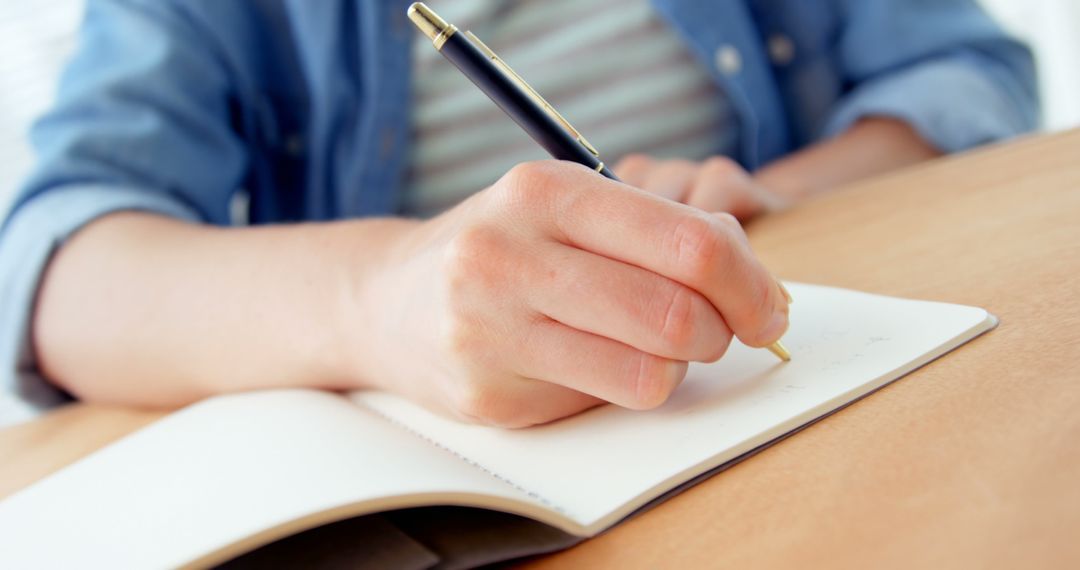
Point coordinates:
[(513, 76)]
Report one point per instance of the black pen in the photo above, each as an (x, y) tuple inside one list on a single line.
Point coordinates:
[(517, 99), (508, 90)]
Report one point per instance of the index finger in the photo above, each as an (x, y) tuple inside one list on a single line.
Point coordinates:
[(706, 252)]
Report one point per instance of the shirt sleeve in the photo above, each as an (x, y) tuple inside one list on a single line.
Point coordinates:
[(142, 122), (944, 67)]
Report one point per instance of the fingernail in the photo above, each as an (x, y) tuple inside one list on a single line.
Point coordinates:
[(787, 294), (781, 302)]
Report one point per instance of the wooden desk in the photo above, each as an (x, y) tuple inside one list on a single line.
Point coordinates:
[(972, 461)]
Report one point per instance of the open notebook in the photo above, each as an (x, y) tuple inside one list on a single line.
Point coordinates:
[(232, 473)]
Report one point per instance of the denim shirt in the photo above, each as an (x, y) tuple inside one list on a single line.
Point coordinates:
[(178, 106)]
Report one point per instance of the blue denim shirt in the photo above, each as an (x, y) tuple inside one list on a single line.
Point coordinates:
[(175, 106)]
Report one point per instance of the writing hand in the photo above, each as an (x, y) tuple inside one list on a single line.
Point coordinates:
[(555, 290)]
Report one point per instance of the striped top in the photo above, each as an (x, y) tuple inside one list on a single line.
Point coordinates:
[(611, 67)]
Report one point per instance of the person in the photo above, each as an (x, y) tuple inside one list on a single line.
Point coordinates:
[(245, 195)]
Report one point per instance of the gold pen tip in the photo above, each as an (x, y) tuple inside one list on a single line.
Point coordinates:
[(780, 351), (429, 22)]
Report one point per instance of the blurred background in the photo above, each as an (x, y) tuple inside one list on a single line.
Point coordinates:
[(37, 35)]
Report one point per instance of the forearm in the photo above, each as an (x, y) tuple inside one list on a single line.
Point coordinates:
[(141, 309), (872, 146)]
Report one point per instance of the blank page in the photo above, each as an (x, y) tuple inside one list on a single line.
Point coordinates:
[(601, 465), (229, 474)]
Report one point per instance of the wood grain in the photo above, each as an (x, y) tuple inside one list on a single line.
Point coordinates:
[(970, 462)]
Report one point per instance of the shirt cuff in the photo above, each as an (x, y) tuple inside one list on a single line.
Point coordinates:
[(949, 102), (32, 233)]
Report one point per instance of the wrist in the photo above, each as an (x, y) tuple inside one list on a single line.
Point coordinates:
[(365, 289)]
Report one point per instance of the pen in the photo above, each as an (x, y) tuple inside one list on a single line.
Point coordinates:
[(516, 98)]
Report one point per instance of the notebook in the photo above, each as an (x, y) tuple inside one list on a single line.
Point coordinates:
[(232, 473)]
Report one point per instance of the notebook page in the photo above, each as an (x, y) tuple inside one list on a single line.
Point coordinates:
[(226, 470), (601, 465)]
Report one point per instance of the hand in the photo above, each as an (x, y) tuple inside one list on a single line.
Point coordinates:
[(552, 291), (556, 290), (718, 184)]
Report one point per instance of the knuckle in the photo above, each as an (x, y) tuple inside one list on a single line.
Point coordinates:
[(633, 162), (728, 221), (677, 327), (701, 247), (721, 166), (635, 159), (459, 339), (528, 184), (656, 378), (472, 401), (480, 403), (722, 341), (471, 257)]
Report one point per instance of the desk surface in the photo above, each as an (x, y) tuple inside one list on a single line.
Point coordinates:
[(972, 461)]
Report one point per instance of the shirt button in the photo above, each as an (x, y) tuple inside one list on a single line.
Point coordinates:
[(781, 49), (728, 60)]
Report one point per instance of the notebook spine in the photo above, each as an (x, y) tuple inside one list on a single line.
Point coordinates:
[(531, 494)]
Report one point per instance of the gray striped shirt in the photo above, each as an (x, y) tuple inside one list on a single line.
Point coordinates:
[(612, 68)]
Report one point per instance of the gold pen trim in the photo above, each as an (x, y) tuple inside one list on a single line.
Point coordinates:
[(440, 40), (435, 28), (599, 167), (439, 31), (532, 93), (780, 351)]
